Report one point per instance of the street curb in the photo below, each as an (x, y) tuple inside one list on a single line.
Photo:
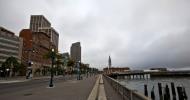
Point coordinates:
[(101, 93), (94, 93)]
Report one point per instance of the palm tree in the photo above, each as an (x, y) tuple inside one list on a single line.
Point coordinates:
[(71, 64), (58, 62), (11, 65)]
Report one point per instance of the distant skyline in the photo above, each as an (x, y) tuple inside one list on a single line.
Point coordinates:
[(139, 34)]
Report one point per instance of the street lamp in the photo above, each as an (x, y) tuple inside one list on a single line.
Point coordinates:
[(65, 63), (1, 71), (78, 67), (7, 71), (30, 63), (52, 59)]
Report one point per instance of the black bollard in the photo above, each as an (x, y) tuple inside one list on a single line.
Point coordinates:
[(152, 94), (160, 91), (184, 94), (180, 94), (145, 90)]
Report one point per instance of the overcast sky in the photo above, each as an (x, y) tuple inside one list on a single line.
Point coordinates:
[(136, 33)]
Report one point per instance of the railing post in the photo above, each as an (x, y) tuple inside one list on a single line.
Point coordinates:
[(123, 94), (131, 94)]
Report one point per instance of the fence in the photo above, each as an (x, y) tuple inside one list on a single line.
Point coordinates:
[(127, 94)]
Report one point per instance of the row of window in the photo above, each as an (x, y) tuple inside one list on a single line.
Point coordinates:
[(4, 35), (9, 50), (9, 41), (8, 53), (9, 47), (40, 19)]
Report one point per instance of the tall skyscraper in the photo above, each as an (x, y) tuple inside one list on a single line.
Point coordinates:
[(75, 51), (10, 45), (38, 23)]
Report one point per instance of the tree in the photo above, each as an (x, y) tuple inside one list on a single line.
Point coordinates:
[(38, 71), (70, 65), (22, 69), (12, 65), (83, 68), (57, 61)]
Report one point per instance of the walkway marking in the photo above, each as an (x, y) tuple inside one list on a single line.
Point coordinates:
[(98, 92), (102, 94)]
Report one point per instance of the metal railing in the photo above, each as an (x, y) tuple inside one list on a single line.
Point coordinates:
[(126, 93)]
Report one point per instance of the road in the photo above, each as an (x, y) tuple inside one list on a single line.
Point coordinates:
[(34, 83), (65, 89)]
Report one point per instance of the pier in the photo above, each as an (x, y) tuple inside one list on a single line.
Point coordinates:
[(147, 75)]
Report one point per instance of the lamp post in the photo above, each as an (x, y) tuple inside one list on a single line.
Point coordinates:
[(7, 70), (65, 60), (29, 62), (78, 70), (52, 64)]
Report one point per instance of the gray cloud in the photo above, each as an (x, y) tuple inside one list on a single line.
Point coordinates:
[(137, 34)]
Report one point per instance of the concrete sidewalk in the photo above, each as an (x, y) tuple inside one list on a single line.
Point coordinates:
[(98, 92), (111, 94), (66, 90)]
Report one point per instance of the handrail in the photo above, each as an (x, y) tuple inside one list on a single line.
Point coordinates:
[(126, 93)]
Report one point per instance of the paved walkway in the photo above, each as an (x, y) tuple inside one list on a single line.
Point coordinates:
[(111, 94), (66, 90)]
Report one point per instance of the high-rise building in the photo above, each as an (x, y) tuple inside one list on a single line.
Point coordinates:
[(10, 45), (75, 51), (38, 23)]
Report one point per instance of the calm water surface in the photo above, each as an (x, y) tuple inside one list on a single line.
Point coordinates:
[(139, 84)]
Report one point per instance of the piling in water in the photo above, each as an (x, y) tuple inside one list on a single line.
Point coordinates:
[(184, 94), (145, 90), (152, 94), (160, 91), (166, 93), (173, 91), (180, 93)]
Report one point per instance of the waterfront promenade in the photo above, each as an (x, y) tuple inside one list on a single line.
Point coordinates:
[(111, 94), (70, 89)]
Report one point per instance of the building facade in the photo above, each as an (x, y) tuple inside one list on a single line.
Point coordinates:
[(10, 45), (75, 51), (65, 55), (38, 23), (115, 70), (36, 45), (52, 33)]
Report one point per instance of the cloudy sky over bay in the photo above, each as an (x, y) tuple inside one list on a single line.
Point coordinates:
[(136, 33)]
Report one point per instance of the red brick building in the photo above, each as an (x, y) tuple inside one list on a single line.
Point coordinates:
[(35, 46)]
